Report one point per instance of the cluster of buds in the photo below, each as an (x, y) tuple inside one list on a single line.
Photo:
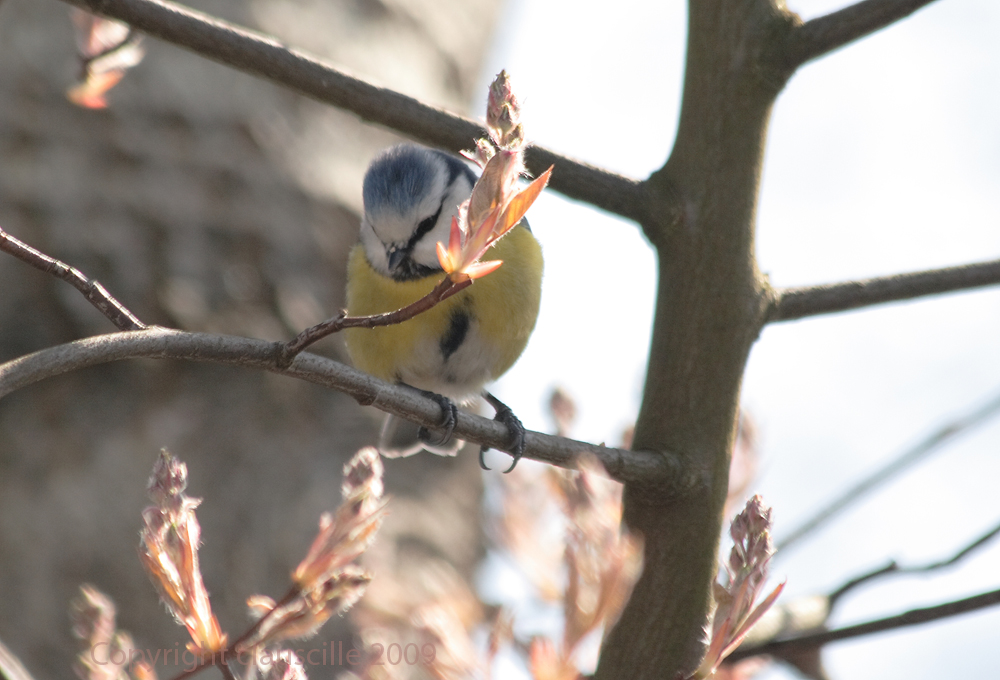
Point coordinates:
[(503, 115), (169, 551), (735, 613), (496, 205), (503, 123), (107, 652), (326, 581)]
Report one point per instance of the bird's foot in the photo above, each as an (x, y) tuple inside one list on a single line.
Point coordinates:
[(506, 416), (448, 420)]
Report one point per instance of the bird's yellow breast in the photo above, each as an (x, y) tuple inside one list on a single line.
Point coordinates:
[(500, 308)]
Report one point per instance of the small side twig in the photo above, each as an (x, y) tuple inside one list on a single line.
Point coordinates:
[(236, 647), (891, 469), (11, 667), (807, 641), (226, 671), (894, 568), (442, 291), (95, 293), (829, 32), (233, 650), (796, 303)]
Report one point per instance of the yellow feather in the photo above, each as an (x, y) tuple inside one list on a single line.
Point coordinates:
[(503, 305)]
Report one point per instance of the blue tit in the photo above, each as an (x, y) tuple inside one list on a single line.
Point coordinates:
[(454, 349)]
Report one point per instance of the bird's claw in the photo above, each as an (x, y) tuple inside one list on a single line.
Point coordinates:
[(506, 416), (448, 421)]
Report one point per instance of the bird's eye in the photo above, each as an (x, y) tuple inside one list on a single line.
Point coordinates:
[(425, 226)]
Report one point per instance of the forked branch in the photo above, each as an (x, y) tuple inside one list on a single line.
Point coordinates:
[(804, 621), (894, 568), (796, 303), (824, 34), (441, 292), (91, 289), (286, 359), (808, 641)]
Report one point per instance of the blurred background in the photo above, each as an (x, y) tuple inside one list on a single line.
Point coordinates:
[(206, 200), (883, 157)]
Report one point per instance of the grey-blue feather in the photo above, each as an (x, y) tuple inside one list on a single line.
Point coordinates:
[(401, 176)]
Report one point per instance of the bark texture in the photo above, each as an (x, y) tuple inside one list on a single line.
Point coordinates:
[(710, 306)]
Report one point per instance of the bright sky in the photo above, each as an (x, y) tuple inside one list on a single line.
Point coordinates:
[(882, 158)]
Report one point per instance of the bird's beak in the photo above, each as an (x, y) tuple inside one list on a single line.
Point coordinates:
[(395, 255)]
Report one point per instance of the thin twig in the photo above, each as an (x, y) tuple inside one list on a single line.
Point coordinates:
[(665, 473), (91, 289), (224, 668), (894, 467), (235, 649), (807, 641), (895, 569), (441, 292), (827, 33), (795, 303), (11, 667), (238, 646), (266, 58)]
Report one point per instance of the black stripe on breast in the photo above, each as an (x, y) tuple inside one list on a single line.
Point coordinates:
[(458, 328)]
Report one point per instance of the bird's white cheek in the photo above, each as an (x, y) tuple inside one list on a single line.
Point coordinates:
[(374, 249), (425, 252)]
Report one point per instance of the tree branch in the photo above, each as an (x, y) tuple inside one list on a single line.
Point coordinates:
[(894, 467), (808, 615), (895, 569), (265, 57), (808, 641), (442, 291), (659, 471), (91, 289), (710, 304), (796, 303), (827, 33)]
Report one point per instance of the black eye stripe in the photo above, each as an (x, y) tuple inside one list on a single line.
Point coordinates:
[(424, 227)]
